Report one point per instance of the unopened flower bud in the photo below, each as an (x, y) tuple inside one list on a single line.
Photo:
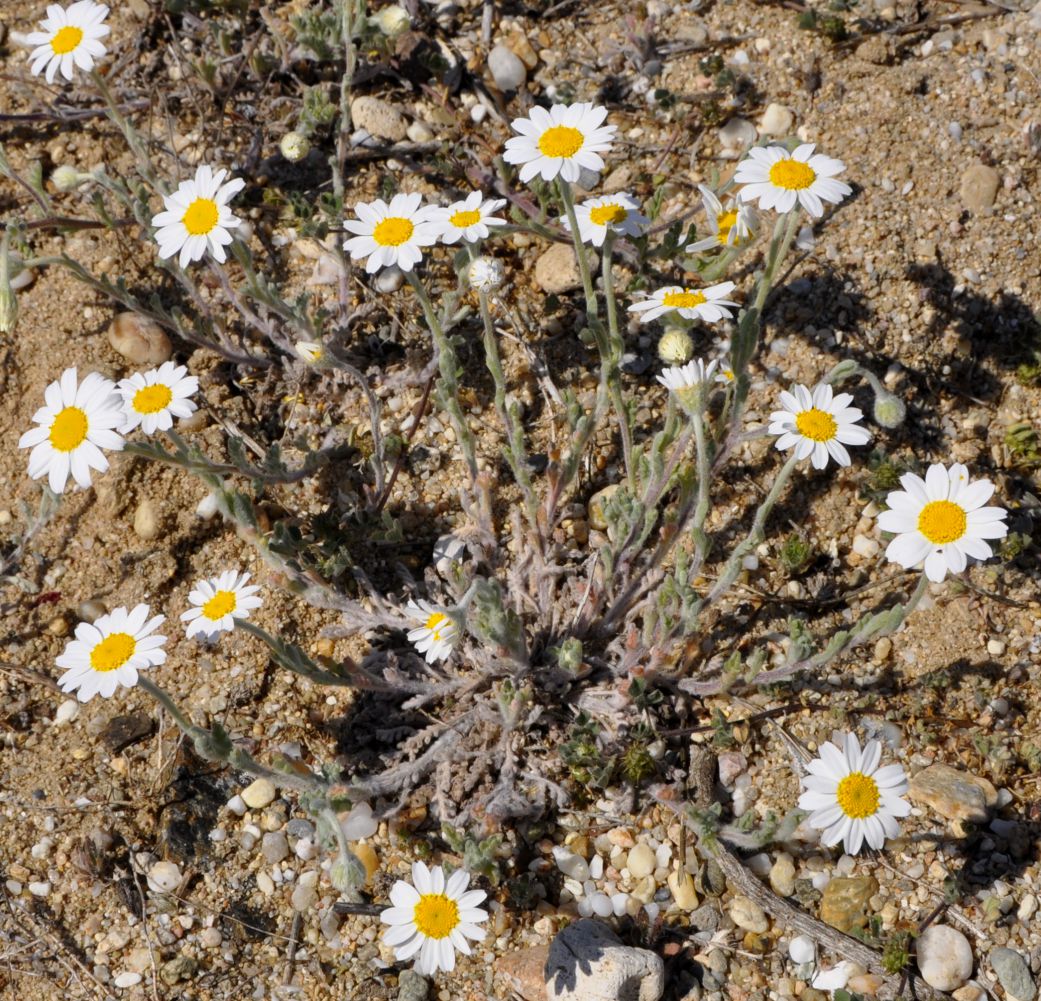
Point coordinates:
[(392, 20), (890, 410), (486, 274), (676, 346), (294, 146), (66, 178)]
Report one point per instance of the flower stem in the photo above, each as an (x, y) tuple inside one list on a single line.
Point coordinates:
[(568, 198), (448, 364), (755, 534)]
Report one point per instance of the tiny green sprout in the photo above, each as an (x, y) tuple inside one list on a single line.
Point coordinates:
[(1013, 546), (1029, 373), (1024, 445), (896, 952), (796, 554)]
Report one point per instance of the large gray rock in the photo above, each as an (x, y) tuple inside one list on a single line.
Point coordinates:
[(588, 962), (1014, 974), (944, 957)]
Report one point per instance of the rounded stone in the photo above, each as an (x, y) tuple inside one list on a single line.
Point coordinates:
[(979, 187), (139, 340), (747, 914), (944, 957), (641, 861), (379, 118), (507, 69), (258, 794), (777, 120), (146, 520), (164, 877)]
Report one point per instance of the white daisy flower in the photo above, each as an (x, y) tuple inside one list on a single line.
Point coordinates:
[(68, 37), (732, 224), (617, 213), (76, 422), (469, 219), (433, 918), (818, 424), (726, 375), (780, 180), (110, 651), (706, 304), (197, 217), (218, 602), (850, 798), (693, 375), (309, 351), (560, 141), (436, 637), (153, 399), (941, 520), (391, 234)]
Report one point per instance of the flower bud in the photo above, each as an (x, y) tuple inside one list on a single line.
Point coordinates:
[(294, 146), (890, 410), (676, 346), (486, 274), (392, 20), (66, 178)]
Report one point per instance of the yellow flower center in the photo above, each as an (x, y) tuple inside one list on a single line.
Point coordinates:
[(436, 915), (152, 399), (727, 373), (724, 224), (201, 216), (434, 624), (792, 175), (942, 521), (816, 425), (69, 429), (463, 219), (221, 604), (393, 232), (682, 300), (561, 140), (66, 40), (604, 215), (858, 795), (112, 652)]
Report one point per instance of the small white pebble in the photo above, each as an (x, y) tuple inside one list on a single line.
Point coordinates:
[(237, 805), (40, 889), (127, 980), (801, 949)]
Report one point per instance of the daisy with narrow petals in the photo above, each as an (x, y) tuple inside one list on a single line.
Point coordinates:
[(110, 651), (218, 602), (153, 399), (818, 424), (693, 375), (732, 224), (560, 142), (706, 304), (77, 420), (617, 214), (469, 219), (780, 180), (391, 234), (941, 520), (850, 798), (68, 37), (436, 637), (433, 917), (196, 217)]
